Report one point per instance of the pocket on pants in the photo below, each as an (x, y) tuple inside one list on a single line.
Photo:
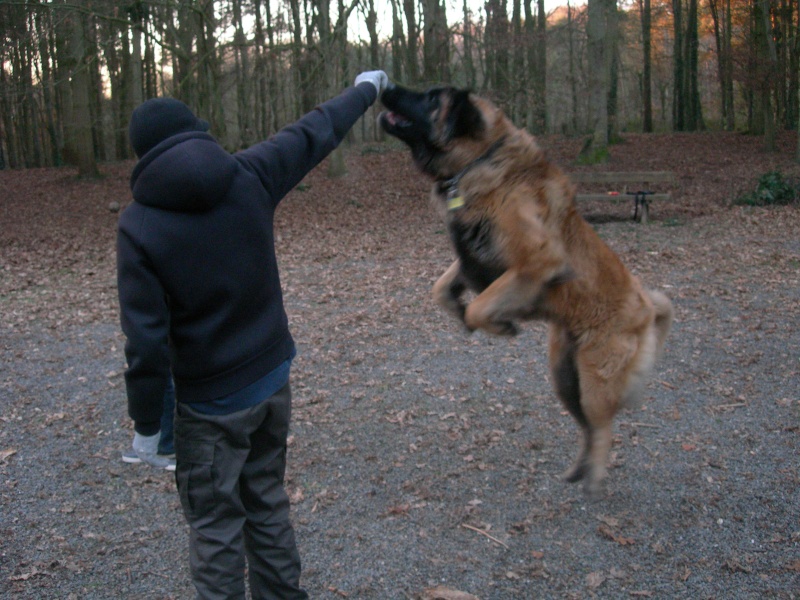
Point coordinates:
[(194, 477)]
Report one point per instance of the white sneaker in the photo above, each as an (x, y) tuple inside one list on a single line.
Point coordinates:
[(166, 461), (131, 458)]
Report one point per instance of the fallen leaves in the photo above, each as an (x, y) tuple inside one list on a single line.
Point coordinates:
[(28, 575), (6, 454), (607, 530), (794, 566), (445, 593), (373, 412), (595, 580)]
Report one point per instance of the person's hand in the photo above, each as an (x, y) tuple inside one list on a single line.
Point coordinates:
[(146, 448), (377, 78)]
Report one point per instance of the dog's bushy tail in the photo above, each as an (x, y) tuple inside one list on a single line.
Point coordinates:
[(653, 346), (663, 320)]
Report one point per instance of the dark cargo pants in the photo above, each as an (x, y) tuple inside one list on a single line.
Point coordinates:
[(230, 471)]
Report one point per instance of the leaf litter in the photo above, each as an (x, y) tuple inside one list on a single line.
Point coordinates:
[(425, 461)]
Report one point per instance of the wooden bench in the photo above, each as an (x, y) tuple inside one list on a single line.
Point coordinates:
[(636, 185)]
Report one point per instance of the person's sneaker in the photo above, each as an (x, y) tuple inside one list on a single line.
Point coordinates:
[(167, 460), (131, 458)]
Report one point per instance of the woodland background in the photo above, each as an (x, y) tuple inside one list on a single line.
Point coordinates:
[(420, 457), (72, 71)]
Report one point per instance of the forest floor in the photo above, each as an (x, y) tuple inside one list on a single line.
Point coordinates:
[(422, 458)]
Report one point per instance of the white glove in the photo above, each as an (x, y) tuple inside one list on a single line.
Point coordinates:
[(377, 78), (146, 448)]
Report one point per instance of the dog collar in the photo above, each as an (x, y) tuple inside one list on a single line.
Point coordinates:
[(454, 199), (450, 186)]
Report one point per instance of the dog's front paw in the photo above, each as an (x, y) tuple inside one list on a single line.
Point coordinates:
[(504, 328), (510, 329)]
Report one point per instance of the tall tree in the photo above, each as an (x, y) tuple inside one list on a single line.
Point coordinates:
[(687, 114), (412, 42), (694, 116), (571, 60), (536, 43), (599, 46), (768, 59), (497, 51), (540, 70), (647, 83), (209, 99), (436, 42), (138, 13), (468, 36), (678, 68), (721, 21), (73, 61), (518, 73), (243, 77), (398, 42)]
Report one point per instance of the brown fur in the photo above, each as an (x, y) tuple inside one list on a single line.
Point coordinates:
[(528, 254)]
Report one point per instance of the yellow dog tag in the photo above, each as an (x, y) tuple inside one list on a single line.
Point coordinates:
[(455, 202)]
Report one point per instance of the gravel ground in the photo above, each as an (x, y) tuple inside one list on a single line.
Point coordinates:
[(421, 456)]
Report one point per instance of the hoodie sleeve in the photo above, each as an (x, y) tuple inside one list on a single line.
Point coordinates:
[(283, 160), (144, 318)]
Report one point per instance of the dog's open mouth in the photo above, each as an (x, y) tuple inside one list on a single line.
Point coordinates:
[(396, 120)]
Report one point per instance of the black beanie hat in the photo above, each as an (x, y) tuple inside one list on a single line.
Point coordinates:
[(157, 119)]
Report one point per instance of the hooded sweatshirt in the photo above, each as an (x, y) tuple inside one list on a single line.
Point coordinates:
[(197, 274)]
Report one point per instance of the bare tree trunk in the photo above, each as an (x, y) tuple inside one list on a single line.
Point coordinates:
[(536, 42), (469, 43), (7, 129), (184, 58), (243, 79), (412, 39), (695, 110), (772, 60), (260, 74), (209, 100), (573, 79), (728, 91), (135, 87), (43, 25), (372, 30), (792, 65), (678, 77), (540, 72), (398, 42), (497, 47), (96, 105), (716, 20), (647, 84), (436, 55), (30, 118), (599, 78), (518, 76), (613, 75), (77, 127)]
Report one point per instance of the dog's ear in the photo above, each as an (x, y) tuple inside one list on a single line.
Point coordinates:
[(464, 118)]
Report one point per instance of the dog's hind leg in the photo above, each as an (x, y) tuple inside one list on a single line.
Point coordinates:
[(603, 373), (568, 389)]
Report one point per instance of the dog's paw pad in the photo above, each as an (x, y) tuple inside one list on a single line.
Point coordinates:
[(507, 328)]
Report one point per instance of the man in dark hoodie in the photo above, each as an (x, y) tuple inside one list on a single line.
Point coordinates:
[(201, 301)]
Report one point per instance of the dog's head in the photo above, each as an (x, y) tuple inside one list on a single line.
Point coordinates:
[(439, 125)]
